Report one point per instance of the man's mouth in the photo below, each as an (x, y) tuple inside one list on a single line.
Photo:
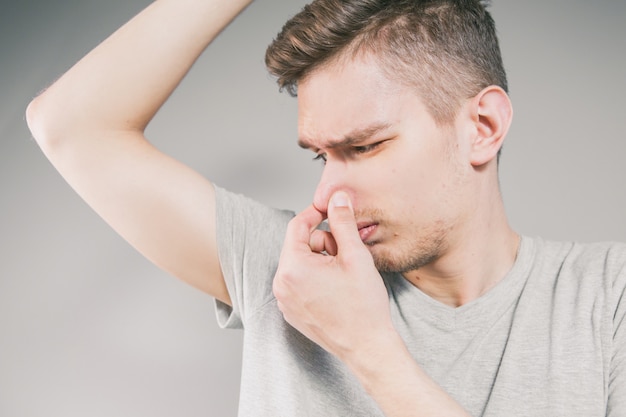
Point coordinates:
[(366, 230)]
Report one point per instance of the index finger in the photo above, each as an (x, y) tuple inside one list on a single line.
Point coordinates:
[(302, 225)]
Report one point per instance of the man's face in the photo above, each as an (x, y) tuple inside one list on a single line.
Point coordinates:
[(404, 174)]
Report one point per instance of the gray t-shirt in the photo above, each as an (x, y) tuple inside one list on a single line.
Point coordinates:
[(546, 341)]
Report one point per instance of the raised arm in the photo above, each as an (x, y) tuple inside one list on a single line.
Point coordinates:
[(90, 125)]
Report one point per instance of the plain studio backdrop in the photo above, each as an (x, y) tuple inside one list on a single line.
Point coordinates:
[(90, 328)]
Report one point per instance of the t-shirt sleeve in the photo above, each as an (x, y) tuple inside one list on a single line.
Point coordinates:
[(250, 236), (616, 263)]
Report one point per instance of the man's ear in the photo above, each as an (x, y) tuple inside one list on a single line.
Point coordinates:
[(491, 113)]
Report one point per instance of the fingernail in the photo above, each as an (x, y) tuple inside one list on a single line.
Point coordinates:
[(340, 199)]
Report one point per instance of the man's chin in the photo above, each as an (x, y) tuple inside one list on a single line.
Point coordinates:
[(386, 263)]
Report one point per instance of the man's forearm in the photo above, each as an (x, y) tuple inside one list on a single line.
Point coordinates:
[(122, 83)]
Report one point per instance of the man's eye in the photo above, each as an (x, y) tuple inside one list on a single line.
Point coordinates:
[(365, 148), (320, 157)]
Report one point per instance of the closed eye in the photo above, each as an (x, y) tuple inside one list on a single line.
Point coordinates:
[(366, 148), (352, 150)]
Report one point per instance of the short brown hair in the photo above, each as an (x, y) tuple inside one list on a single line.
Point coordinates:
[(447, 49)]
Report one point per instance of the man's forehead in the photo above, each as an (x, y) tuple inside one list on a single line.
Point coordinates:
[(350, 101), (338, 115)]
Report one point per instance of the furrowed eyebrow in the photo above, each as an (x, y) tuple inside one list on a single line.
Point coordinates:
[(356, 136)]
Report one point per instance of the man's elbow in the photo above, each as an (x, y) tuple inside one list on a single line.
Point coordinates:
[(44, 125)]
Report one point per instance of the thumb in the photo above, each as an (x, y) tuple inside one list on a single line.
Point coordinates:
[(342, 223)]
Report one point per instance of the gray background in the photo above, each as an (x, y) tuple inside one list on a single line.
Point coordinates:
[(88, 327)]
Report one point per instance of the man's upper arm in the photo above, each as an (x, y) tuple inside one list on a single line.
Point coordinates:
[(160, 206)]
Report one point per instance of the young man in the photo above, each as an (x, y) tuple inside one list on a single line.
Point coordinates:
[(420, 299)]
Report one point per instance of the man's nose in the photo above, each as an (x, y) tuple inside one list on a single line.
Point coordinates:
[(334, 178)]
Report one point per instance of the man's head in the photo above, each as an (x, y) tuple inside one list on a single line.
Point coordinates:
[(446, 49), (403, 110)]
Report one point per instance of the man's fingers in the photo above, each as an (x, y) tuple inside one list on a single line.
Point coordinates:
[(302, 229), (342, 222), (322, 241), (302, 226)]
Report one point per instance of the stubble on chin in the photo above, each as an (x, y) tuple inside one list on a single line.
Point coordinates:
[(401, 254)]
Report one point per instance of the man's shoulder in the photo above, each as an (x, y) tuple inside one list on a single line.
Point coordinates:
[(232, 204), (604, 262), (606, 253)]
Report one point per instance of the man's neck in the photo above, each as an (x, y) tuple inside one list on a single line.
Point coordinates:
[(477, 259)]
